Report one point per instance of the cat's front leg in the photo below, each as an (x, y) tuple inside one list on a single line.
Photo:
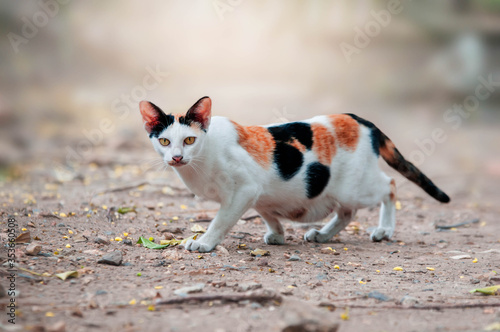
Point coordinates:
[(230, 212)]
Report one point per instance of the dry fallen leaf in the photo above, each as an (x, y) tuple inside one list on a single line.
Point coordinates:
[(67, 274), (492, 290), (24, 238), (198, 229), (259, 252)]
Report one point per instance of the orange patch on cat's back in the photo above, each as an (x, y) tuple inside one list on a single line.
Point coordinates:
[(258, 142), (347, 130), (323, 143)]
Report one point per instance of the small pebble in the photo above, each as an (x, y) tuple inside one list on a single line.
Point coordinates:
[(294, 258), (112, 258), (188, 290), (100, 240)]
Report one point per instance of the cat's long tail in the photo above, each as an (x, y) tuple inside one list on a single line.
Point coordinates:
[(395, 159)]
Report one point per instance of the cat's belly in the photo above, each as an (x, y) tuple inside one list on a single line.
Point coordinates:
[(306, 211)]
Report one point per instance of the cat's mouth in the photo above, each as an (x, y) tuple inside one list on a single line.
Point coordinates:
[(177, 163)]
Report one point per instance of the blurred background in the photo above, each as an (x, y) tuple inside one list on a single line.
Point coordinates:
[(72, 73)]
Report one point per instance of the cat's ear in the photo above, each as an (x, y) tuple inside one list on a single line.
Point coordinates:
[(201, 112), (151, 115)]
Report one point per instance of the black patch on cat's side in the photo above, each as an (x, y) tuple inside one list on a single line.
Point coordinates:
[(376, 135), (164, 121), (288, 160), (288, 131), (317, 177)]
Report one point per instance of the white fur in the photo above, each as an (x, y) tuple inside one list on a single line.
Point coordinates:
[(219, 169)]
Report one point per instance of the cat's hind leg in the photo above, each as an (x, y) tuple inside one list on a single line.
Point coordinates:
[(275, 233), (338, 223), (387, 221)]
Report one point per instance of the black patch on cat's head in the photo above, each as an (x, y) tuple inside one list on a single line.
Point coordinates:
[(293, 130), (317, 177), (163, 121), (288, 160)]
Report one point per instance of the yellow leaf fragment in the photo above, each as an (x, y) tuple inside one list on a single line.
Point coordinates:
[(175, 218), (183, 207), (172, 242), (49, 314), (398, 205), (158, 287), (336, 267), (430, 268), (197, 228), (62, 215), (492, 290), (345, 314), (125, 234), (475, 260), (70, 231), (104, 207), (118, 239), (132, 302), (259, 252), (151, 307), (68, 245), (398, 268), (67, 274)]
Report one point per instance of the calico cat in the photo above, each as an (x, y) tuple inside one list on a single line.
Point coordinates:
[(301, 171)]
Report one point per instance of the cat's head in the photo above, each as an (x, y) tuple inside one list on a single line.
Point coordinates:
[(178, 138)]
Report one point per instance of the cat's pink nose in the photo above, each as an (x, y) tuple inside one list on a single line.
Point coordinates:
[(177, 159)]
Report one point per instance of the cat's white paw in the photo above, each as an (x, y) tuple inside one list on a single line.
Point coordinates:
[(274, 238), (381, 233), (313, 235), (199, 245)]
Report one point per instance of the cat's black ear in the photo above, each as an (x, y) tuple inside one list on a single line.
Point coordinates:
[(151, 115), (201, 112)]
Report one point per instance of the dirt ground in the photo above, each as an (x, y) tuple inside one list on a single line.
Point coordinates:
[(299, 286)]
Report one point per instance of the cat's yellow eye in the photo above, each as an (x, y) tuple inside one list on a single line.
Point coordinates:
[(164, 141), (190, 140)]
